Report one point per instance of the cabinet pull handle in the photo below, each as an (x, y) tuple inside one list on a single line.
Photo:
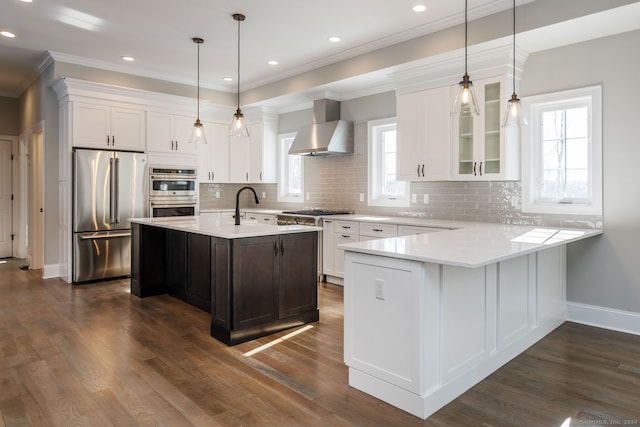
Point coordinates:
[(260, 175), (418, 170), (107, 140), (275, 248), (346, 236), (247, 176), (328, 221), (113, 140), (172, 145), (346, 227), (282, 247), (423, 170), (474, 169), (176, 145), (266, 219), (378, 230), (480, 168), (213, 176)]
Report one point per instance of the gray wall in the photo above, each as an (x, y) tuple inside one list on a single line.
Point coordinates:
[(603, 271), (9, 116)]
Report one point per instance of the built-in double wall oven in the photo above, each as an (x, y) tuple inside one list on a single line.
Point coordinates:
[(172, 192)]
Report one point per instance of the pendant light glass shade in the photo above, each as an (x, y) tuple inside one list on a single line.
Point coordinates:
[(514, 116), (197, 134), (238, 124), (466, 102)]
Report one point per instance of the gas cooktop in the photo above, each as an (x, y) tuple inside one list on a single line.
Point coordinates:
[(318, 212)]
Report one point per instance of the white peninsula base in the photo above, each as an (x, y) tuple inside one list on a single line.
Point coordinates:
[(418, 334)]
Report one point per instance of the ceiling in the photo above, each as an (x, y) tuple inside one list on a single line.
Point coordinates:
[(158, 33)]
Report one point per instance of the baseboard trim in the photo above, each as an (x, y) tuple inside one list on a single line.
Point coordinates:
[(50, 271), (603, 317)]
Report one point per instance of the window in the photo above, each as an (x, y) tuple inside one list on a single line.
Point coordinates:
[(290, 171), (384, 188), (562, 170)]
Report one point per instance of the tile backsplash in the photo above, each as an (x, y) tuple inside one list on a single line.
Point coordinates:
[(336, 182)]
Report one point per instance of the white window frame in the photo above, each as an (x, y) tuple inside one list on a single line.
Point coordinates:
[(531, 162), (375, 196), (284, 141)]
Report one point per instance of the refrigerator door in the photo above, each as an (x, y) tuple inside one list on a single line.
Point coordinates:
[(92, 209), (130, 188), (101, 255)]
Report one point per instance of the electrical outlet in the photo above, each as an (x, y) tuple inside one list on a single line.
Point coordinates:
[(414, 198), (362, 197), (264, 195), (217, 194), (380, 289), (308, 196), (425, 199)]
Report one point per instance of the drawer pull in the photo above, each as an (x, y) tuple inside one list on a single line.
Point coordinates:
[(346, 236), (379, 230), (346, 227)]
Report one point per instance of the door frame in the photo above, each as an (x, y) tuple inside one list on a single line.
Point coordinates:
[(31, 234), (14, 181)]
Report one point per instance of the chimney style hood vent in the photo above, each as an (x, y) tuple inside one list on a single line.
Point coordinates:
[(328, 135)]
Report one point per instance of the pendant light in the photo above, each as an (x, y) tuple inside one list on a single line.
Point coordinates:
[(238, 124), (197, 135), (514, 116), (465, 103)]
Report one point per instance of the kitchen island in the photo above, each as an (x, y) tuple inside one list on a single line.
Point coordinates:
[(428, 316), (255, 279)]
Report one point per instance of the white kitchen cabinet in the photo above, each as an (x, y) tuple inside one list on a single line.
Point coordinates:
[(408, 230), (424, 135), (253, 159), (328, 247), (168, 133), (261, 218), (107, 126), (480, 149), (239, 159), (213, 157), (263, 138)]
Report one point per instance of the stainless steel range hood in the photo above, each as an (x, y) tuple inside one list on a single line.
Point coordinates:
[(328, 135)]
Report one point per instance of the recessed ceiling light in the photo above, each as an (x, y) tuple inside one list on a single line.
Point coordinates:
[(227, 79), (419, 8), (7, 34), (272, 62), (334, 39), (128, 58)]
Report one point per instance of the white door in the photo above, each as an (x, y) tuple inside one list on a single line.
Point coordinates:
[(6, 229)]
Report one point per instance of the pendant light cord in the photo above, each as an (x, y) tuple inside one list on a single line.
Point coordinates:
[(198, 90), (238, 94), (465, 36), (514, 46)]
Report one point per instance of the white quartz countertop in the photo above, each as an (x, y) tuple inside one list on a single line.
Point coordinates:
[(470, 244), (222, 226)]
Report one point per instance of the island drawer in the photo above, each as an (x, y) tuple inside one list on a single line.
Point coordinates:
[(350, 227), (372, 229)]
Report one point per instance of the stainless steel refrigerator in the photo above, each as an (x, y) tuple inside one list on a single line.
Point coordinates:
[(109, 187)]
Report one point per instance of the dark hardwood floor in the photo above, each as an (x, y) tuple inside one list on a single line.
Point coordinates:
[(97, 355)]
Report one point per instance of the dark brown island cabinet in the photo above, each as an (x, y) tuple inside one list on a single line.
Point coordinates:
[(252, 286)]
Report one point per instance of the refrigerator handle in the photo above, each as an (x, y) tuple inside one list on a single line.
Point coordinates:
[(116, 192), (112, 190)]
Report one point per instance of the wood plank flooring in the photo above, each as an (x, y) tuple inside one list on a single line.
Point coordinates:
[(95, 355)]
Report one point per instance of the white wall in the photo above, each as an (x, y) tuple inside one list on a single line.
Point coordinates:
[(603, 271)]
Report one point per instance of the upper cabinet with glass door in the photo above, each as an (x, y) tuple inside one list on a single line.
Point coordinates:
[(482, 150)]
